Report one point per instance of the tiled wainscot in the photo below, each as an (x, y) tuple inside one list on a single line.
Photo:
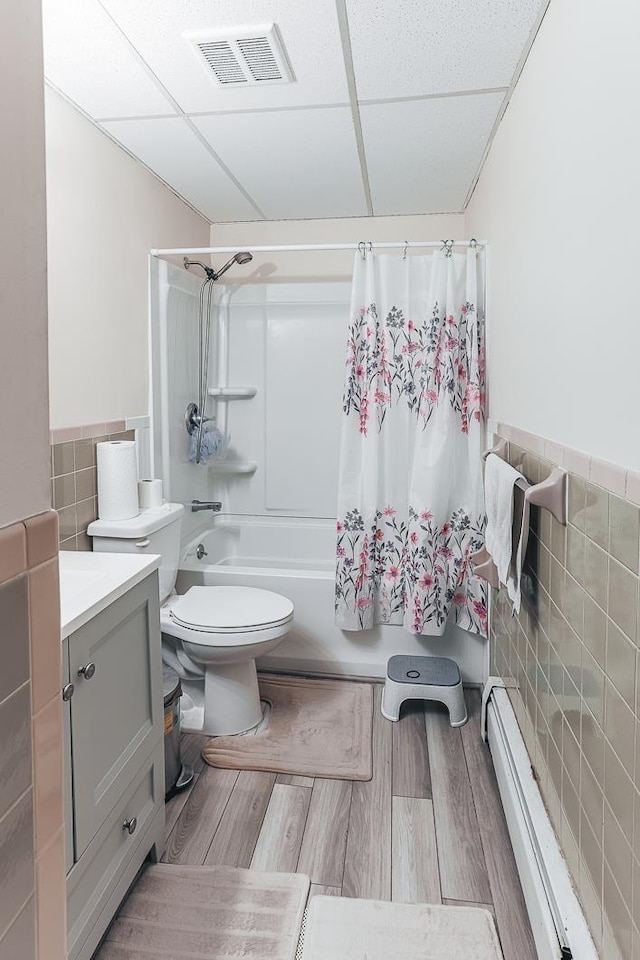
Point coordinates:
[(32, 892), (74, 478), (572, 659)]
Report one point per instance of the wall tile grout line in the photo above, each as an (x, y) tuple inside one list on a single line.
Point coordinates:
[(19, 689), (16, 803)]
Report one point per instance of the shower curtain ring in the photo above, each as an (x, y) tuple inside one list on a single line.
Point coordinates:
[(447, 247), (404, 252), (473, 243), (370, 247), (362, 250)]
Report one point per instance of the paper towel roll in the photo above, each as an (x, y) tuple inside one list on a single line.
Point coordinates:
[(149, 493), (117, 480)]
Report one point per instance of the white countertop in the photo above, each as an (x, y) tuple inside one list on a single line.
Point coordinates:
[(89, 582)]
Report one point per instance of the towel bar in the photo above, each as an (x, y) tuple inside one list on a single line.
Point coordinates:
[(550, 494)]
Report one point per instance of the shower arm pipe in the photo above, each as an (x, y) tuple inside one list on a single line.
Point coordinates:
[(303, 247)]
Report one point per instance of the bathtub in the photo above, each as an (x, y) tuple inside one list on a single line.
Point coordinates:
[(295, 557)]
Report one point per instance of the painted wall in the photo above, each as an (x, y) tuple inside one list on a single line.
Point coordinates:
[(24, 483), (325, 265), (32, 887), (558, 200), (105, 211)]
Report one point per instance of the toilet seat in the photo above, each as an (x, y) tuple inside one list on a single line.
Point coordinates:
[(231, 612)]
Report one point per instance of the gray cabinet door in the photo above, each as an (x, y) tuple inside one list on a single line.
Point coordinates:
[(116, 713)]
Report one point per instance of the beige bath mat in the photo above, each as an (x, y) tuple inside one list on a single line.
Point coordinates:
[(208, 912), (343, 929), (317, 728)]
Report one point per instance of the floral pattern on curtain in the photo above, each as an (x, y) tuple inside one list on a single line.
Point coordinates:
[(411, 506)]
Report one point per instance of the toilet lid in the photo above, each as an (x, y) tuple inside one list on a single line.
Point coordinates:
[(231, 609)]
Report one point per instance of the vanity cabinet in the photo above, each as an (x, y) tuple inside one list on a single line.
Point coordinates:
[(114, 758)]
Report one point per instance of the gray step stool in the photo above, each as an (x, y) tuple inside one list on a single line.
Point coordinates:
[(424, 678)]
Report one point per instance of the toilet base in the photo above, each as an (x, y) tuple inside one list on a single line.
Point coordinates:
[(192, 706), (231, 698), (234, 701)]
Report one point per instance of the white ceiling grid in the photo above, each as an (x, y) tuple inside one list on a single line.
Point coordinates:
[(89, 60), (424, 153), (308, 28), (430, 47), (292, 160), (429, 79), (175, 153)]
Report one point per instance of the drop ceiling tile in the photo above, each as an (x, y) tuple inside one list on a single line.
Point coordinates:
[(294, 163), (88, 59), (411, 48), (422, 155), (309, 31), (176, 154)]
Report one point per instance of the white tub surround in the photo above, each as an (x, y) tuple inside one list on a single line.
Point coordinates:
[(90, 582)]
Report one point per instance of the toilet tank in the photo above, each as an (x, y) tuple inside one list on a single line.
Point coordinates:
[(156, 530)]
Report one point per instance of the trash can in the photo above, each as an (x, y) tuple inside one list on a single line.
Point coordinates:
[(176, 775)]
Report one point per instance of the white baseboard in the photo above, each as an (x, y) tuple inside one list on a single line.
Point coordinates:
[(559, 928)]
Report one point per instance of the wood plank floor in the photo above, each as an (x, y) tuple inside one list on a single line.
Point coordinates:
[(429, 826)]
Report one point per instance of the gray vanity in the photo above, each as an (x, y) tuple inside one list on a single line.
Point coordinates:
[(114, 759)]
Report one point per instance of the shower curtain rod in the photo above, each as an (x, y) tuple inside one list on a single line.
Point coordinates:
[(302, 247)]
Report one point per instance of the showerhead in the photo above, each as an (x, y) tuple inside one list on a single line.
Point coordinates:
[(243, 256)]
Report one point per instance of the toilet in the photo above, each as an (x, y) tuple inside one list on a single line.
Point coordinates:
[(210, 635)]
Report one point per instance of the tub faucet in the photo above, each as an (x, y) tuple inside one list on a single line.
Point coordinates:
[(197, 505)]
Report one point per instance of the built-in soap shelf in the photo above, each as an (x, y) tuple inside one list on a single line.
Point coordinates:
[(245, 467), (232, 393)]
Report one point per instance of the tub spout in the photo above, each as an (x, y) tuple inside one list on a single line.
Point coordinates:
[(197, 505)]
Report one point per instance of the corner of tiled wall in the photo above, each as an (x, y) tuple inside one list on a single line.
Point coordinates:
[(32, 894), (574, 654), (74, 477)]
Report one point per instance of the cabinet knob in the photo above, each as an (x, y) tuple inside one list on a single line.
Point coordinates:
[(68, 691), (130, 825), (87, 671)]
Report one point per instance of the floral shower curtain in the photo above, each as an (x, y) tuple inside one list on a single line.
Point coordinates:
[(410, 501)]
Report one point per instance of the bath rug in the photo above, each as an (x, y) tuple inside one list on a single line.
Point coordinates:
[(208, 912), (339, 928), (317, 728)]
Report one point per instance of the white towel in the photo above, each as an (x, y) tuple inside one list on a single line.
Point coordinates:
[(499, 481)]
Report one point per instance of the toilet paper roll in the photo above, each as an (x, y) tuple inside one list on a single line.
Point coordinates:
[(117, 480), (149, 493)]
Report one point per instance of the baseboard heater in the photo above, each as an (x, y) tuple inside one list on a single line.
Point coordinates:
[(559, 928)]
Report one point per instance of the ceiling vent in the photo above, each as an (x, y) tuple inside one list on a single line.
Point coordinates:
[(242, 57)]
